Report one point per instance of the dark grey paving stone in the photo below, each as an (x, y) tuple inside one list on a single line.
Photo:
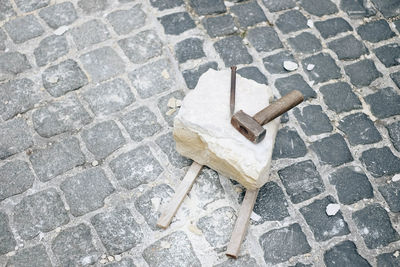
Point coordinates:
[(253, 73), (325, 68), (179, 253), (13, 63), (90, 33), (264, 39), (6, 10), (160, 194), (3, 39), (166, 4), (380, 161), (324, 227), (125, 21), (384, 103), (248, 14), (291, 21), (57, 159), (163, 106), (288, 144), (394, 134), (388, 260), (192, 76), (375, 31), (275, 6), (22, 29), (357, 8), (15, 178), (396, 78), (299, 264), (389, 8), (374, 226), (39, 213), (305, 43), (15, 137), (140, 123), (332, 27), (74, 246), (118, 230), (17, 96), (302, 181), (284, 118), (274, 63), (397, 24), (190, 48), (102, 64), (7, 241), (232, 51), (332, 150), (312, 120), (177, 23), (391, 194), (339, 97), (351, 184), (319, 7), (207, 188), (219, 25), (35, 256), (208, 7), (59, 14), (362, 73), (217, 227), (152, 78), (245, 260), (359, 129), (294, 82), (30, 5), (109, 97), (348, 48), (279, 245), (136, 167), (93, 6), (142, 46), (344, 254), (167, 144), (50, 49), (388, 54)]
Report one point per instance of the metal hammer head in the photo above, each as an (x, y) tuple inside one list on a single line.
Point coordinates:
[(247, 126)]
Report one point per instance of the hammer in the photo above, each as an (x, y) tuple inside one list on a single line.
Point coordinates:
[(252, 127)]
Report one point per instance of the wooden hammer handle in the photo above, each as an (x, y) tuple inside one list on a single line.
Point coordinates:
[(279, 107)]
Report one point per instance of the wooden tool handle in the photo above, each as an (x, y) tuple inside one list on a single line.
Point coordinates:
[(279, 107)]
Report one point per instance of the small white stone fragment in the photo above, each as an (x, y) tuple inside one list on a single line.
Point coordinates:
[(58, 229), (53, 79), (103, 261), (110, 258), (310, 23), (165, 244), (310, 66), (21, 245), (290, 65), (16, 248), (165, 74), (194, 229), (103, 256), (396, 254), (170, 112), (61, 30), (118, 257), (178, 103), (155, 202), (396, 178), (332, 209), (255, 217), (95, 163)]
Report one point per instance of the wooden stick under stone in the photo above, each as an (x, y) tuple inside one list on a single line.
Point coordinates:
[(180, 193)]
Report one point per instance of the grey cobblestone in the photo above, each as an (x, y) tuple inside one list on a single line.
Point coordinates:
[(319, 7), (388, 259), (93, 6), (332, 150), (356, 9), (167, 145), (291, 21), (362, 73), (207, 188), (394, 133), (375, 31), (264, 39), (275, 6), (359, 129), (34, 256), (305, 43), (233, 51), (8, 242), (345, 253), (3, 38), (248, 14), (348, 48), (208, 7), (163, 106), (177, 23), (294, 82), (339, 97), (325, 68), (125, 21), (245, 260), (89, 33), (23, 29), (15, 178), (14, 63), (332, 27), (125, 262), (166, 4), (50, 49), (384, 103), (388, 54), (282, 150), (30, 5), (274, 63), (253, 73), (192, 76), (380, 161), (387, 8), (16, 137), (220, 25), (59, 14), (312, 120), (191, 48), (390, 193), (6, 10)]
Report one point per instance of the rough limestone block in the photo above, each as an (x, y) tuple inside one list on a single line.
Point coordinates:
[(203, 132)]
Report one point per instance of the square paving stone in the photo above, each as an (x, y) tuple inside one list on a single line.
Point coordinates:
[(190, 48), (332, 27), (325, 68), (291, 21), (6, 10), (152, 78), (248, 14), (351, 184), (394, 134), (391, 193), (264, 39), (74, 246), (305, 43), (288, 144), (332, 150), (86, 191), (220, 25), (136, 167), (384, 103), (192, 76), (90, 33), (63, 78), (380, 161), (50, 49), (93, 6), (207, 188), (389, 8), (59, 14), (362, 73), (30, 5), (388, 54), (102, 64), (339, 97), (172, 250), (388, 259), (375, 31), (274, 63), (279, 245), (23, 29), (57, 159), (253, 73), (39, 213), (167, 144), (232, 51), (109, 97), (357, 8), (374, 225), (344, 254), (208, 7), (125, 262), (301, 181), (140, 123), (33, 256), (61, 116), (177, 23), (275, 6), (359, 129), (15, 137), (15, 178), (13, 63), (125, 21), (319, 7), (294, 82), (117, 229), (141, 47), (17, 96), (166, 4), (3, 39), (396, 78), (324, 227), (312, 120), (245, 260), (162, 105), (7, 241), (348, 48)]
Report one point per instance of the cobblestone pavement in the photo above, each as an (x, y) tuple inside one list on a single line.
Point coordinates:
[(87, 155)]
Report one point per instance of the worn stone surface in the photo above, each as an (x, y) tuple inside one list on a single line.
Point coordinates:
[(339, 97), (312, 120), (380, 161), (191, 48), (207, 187), (332, 27), (8, 242), (167, 144), (274, 63), (319, 7), (23, 29), (233, 51), (93, 6), (125, 21), (13, 63), (359, 129), (166, 4), (16, 137), (288, 136), (275, 6), (208, 7), (348, 48), (375, 31), (162, 105), (391, 192), (50, 49), (294, 82), (357, 9), (388, 259), (15, 178), (245, 260), (344, 253), (325, 68), (394, 133), (35, 256), (59, 14), (388, 54), (253, 73), (89, 33), (141, 47), (305, 43), (387, 8), (6, 10), (264, 39), (332, 150), (384, 103), (220, 25), (291, 21), (192, 76), (177, 23), (248, 14)]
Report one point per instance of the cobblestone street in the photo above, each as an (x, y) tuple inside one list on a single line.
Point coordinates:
[(87, 157)]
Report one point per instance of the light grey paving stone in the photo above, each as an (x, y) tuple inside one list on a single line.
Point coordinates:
[(142, 46), (39, 213), (57, 159), (125, 262), (13, 63), (125, 21), (207, 187), (6, 10), (93, 6), (117, 229), (86, 191), (35, 256), (15, 178), (208, 7), (59, 14), (30, 5), (3, 39), (61, 116), (15, 137), (163, 106), (7, 241), (23, 29), (245, 260), (90, 33), (167, 144), (177, 23), (188, 49), (50, 49), (275, 6)]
